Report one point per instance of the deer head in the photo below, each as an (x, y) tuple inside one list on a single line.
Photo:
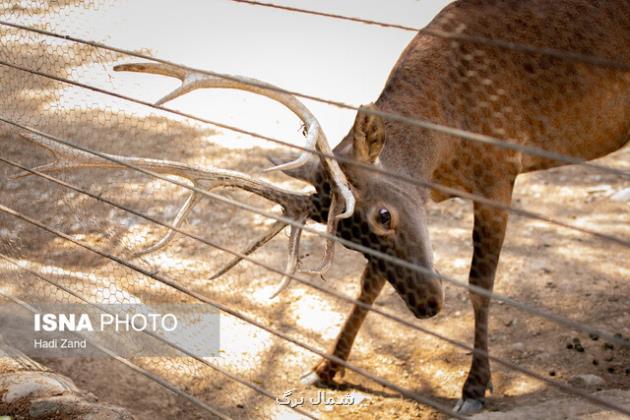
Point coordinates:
[(388, 215), (357, 204)]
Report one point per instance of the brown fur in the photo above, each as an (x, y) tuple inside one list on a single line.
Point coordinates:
[(561, 106)]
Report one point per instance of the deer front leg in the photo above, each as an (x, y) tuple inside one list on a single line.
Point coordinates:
[(325, 371), (488, 234)]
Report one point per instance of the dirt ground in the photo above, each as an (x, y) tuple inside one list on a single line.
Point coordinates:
[(573, 274)]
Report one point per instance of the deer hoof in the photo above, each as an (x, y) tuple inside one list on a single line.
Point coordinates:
[(317, 379), (468, 406), (310, 378), (322, 375)]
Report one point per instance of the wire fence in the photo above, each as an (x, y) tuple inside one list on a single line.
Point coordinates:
[(77, 145), (441, 408)]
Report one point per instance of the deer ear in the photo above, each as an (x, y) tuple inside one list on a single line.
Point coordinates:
[(368, 135)]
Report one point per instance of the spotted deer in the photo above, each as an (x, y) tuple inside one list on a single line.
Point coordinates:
[(525, 98)]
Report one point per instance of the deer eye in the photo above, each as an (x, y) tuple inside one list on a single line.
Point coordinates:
[(383, 221), (385, 218)]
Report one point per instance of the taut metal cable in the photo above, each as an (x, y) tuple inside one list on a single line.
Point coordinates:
[(202, 298), (475, 137), (559, 385), (160, 381), (497, 43), (224, 372), (423, 184), (349, 244)]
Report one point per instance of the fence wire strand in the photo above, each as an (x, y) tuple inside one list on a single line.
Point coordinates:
[(497, 43), (563, 387)]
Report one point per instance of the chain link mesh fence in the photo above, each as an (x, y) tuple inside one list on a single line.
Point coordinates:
[(88, 241)]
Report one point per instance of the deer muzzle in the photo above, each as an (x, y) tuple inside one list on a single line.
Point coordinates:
[(421, 289)]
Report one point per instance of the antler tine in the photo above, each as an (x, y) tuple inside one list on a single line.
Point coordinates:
[(253, 246), (315, 138), (206, 178), (182, 214), (329, 251), (194, 80), (292, 262)]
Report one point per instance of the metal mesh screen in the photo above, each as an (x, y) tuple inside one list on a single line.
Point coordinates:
[(533, 98)]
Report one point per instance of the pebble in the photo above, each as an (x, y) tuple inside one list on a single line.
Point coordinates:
[(518, 346), (621, 195), (587, 379)]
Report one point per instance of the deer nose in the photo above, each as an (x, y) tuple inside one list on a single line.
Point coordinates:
[(425, 302), (431, 307)]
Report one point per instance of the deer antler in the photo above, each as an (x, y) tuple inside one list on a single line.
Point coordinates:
[(276, 228), (315, 137), (295, 204), (315, 140), (67, 158)]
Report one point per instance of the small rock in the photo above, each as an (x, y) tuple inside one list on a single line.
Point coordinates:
[(579, 348), (569, 346), (595, 362), (552, 373), (606, 189), (518, 346), (510, 323), (587, 380), (611, 369), (593, 336), (621, 195), (608, 346)]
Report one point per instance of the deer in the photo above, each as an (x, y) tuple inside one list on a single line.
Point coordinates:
[(527, 99)]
